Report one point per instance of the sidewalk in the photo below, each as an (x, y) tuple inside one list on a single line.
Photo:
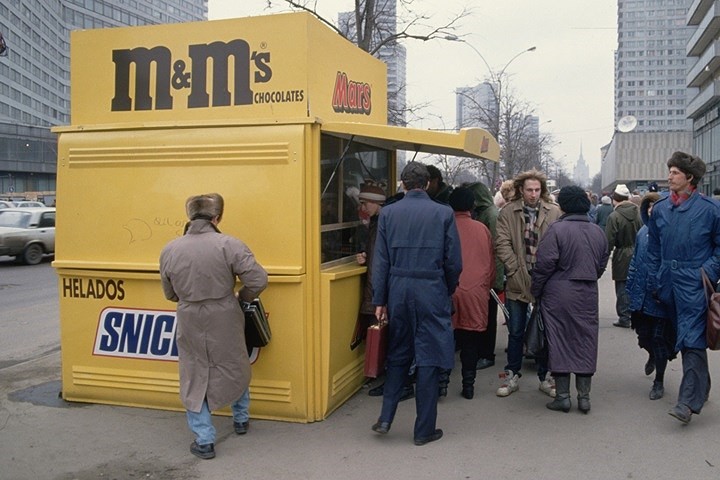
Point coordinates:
[(624, 436)]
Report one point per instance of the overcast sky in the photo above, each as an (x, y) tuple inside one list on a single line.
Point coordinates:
[(568, 79)]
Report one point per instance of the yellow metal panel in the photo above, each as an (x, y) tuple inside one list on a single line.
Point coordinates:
[(121, 194), (342, 368), (117, 334), (468, 142), (276, 66)]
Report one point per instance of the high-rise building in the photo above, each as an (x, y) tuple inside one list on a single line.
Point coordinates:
[(650, 92), (391, 52), (703, 50), (651, 64), (476, 107), (581, 171), (35, 74)]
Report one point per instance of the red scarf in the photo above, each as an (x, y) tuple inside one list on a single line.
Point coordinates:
[(678, 198)]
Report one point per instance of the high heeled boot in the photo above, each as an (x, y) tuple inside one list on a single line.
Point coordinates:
[(583, 387), (468, 384), (562, 397)]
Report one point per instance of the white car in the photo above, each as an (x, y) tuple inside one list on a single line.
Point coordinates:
[(6, 204), (28, 204), (27, 233)]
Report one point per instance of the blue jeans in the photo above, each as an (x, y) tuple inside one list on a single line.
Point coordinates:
[(201, 425), (517, 323)]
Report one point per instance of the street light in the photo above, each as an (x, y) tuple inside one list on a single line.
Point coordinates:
[(496, 89)]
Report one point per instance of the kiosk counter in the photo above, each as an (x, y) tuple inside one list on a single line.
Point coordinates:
[(282, 117)]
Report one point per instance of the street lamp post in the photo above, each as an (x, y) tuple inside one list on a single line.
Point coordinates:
[(496, 89)]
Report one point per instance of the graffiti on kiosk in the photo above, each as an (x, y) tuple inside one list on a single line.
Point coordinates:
[(140, 333), (141, 230), (168, 75)]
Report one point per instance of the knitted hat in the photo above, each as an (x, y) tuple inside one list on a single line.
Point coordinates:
[(621, 193), (372, 193), (688, 164), (573, 199), (462, 199)]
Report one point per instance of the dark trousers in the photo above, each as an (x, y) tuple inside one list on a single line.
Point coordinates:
[(695, 385), (488, 338), (426, 396), (469, 343)]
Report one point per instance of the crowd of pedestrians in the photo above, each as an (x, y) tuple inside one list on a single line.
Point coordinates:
[(445, 257), (440, 259)]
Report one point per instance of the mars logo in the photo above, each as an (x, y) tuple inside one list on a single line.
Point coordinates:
[(350, 96), (247, 64)]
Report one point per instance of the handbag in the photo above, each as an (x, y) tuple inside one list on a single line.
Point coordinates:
[(535, 338), (712, 332), (375, 349), (257, 328)]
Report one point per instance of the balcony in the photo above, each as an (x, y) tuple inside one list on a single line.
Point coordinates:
[(704, 100), (697, 11), (707, 30), (705, 67)]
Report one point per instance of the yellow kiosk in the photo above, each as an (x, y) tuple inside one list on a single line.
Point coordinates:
[(286, 120)]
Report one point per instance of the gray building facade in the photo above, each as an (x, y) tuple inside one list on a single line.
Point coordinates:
[(703, 51), (651, 97), (35, 75)]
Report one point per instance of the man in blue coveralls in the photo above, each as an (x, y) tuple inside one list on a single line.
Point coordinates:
[(416, 268)]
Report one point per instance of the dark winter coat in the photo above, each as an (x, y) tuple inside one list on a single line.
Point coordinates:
[(416, 267), (366, 306), (571, 257), (640, 297), (621, 230), (485, 211), (602, 213), (682, 240)]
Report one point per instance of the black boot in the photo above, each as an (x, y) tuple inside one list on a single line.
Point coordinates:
[(583, 387), (562, 397), (468, 384)]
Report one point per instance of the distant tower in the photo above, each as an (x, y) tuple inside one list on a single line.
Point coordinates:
[(581, 172)]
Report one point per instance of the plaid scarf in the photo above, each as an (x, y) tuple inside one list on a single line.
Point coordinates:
[(531, 235), (678, 198)]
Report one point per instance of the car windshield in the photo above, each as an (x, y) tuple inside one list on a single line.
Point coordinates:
[(14, 219)]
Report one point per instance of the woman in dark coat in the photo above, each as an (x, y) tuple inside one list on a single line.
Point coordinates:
[(571, 257)]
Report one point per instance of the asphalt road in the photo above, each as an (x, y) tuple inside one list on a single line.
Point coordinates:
[(625, 436)]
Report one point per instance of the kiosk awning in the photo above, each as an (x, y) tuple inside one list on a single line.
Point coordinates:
[(468, 142)]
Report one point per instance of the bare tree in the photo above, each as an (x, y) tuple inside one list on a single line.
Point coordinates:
[(379, 27), (510, 120), (370, 32)]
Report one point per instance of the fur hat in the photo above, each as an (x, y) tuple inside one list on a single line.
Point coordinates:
[(621, 193), (688, 164), (462, 199), (372, 193), (573, 199), (606, 200)]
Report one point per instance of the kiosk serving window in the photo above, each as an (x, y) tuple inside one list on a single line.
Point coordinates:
[(345, 166)]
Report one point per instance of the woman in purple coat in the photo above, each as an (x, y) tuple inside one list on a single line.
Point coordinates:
[(571, 257)]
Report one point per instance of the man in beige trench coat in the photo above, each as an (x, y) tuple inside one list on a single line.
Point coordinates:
[(198, 271)]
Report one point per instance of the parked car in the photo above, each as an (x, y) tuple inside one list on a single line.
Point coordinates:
[(6, 204), (27, 233), (29, 204)]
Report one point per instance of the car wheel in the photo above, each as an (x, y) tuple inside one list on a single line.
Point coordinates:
[(33, 254)]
